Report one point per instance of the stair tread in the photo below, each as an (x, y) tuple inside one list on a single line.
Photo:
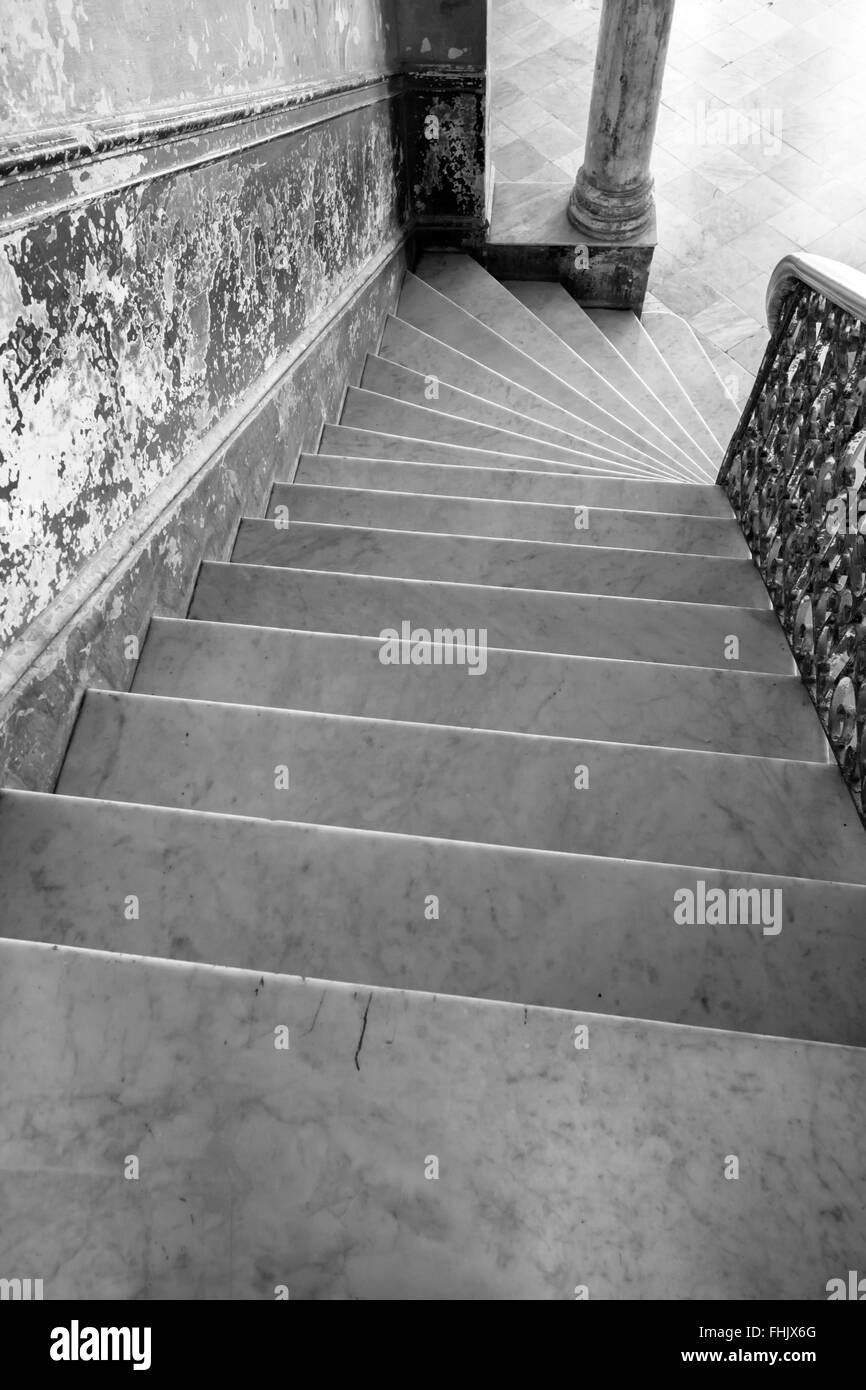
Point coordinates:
[(683, 351), (424, 307), (667, 805), (529, 620), (503, 519), (503, 563), (404, 345), (369, 410), (520, 692), (521, 484), (558, 309), (403, 384), (629, 337), (383, 444), (462, 279), (350, 1110), (212, 888)]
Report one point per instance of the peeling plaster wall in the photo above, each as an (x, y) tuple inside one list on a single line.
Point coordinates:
[(67, 61), (128, 326)]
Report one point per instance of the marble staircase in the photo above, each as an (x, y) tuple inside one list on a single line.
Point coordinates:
[(374, 968)]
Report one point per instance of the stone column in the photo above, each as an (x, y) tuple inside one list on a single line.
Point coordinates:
[(612, 195)]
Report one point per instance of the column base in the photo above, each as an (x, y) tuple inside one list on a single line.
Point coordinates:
[(531, 238), (610, 214)]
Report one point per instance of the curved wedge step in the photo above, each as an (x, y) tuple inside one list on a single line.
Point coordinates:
[(682, 350), (518, 692), (613, 800), (424, 308), (503, 563), (533, 520), (305, 1166), (463, 280), (631, 339), (400, 383), (556, 307), (690, 634), (369, 410), (380, 444), (347, 904), (512, 484)]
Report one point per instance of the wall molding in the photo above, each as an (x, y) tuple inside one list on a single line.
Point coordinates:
[(61, 169)]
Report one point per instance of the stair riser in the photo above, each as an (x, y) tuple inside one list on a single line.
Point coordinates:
[(514, 564), (378, 444), (569, 624), (214, 889), (514, 485), (670, 707), (565, 795), (509, 520)]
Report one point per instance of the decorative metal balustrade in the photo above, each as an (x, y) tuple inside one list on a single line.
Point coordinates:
[(794, 473)]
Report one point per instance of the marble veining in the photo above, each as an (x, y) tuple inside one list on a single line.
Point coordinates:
[(496, 517), (477, 478), (507, 563), (562, 794), (308, 1167), (691, 634)]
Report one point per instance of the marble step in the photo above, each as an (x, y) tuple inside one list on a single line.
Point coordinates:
[(631, 339), (555, 306), (571, 795), (369, 410), (413, 511), (463, 280), (339, 904), (433, 313), (305, 1168), (518, 692), (407, 346), (514, 485), (585, 569), (379, 444), (690, 634), (684, 353), (401, 384)]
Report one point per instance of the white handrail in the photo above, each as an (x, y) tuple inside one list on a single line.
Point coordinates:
[(841, 284)]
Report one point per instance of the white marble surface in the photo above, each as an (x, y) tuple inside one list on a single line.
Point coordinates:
[(582, 569), (631, 339), (443, 318), (369, 410), (477, 479), (691, 634), (555, 306), (633, 802), (305, 1167), (465, 281), (400, 383), (350, 905), (521, 692), (380, 444), (405, 344), (355, 505), (682, 350)]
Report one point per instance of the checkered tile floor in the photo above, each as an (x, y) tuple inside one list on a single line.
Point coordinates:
[(760, 146)]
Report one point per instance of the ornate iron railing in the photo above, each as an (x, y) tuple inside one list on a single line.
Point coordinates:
[(794, 473)]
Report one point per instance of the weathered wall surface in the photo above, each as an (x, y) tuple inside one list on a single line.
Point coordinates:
[(130, 324), (69, 61)]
